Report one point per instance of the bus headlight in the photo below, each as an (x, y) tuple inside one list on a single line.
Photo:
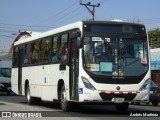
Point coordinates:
[(146, 85), (87, 83)]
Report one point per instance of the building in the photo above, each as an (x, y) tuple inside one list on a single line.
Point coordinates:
[(155, 65)]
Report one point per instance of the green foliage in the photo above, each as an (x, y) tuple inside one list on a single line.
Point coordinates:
[(154, 38)]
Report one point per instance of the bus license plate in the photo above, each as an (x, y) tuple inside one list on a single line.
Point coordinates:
[(118, 100)]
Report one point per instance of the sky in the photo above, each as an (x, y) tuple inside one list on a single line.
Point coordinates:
[(43, 15)]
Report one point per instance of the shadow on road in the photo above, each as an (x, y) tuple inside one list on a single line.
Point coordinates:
[(78, 110), (91, 110), (5, 94)]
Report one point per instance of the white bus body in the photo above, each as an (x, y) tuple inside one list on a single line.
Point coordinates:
[(83, 76)]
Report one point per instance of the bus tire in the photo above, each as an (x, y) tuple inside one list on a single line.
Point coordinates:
[(123, 107), (65, 105), (30, 99)]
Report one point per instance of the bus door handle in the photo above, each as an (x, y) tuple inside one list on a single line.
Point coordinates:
[(62, 67)]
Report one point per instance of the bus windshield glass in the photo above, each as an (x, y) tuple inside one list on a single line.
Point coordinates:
[(115, 56), (5, 72)]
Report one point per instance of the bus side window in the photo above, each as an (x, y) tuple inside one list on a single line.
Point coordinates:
[(54, 50), (35, 53), (46, 49), (27, 55), (64, 47), (41, 53)]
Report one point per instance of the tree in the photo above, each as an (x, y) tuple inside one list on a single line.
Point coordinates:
[(154, 38)]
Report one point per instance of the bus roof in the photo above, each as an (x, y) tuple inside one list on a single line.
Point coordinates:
[(69, 27), (113, 22), (51, 32)]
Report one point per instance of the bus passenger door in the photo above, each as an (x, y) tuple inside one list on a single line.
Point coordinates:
[(74, 69), (20, 64)]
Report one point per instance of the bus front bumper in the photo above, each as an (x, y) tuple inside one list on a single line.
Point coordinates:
[(111, 96)]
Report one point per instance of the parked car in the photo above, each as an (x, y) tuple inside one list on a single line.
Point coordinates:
[(5, 76), (1, 86), (154, 97)]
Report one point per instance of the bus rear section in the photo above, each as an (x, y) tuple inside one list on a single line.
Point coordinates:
[(5, 76)]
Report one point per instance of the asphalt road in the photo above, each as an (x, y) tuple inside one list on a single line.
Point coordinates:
[(95, 112)]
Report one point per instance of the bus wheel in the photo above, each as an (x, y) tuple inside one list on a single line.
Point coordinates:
[(30, 100), (65, 105), (123, 107)]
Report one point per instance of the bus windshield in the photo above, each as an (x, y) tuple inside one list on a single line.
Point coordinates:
[(5, 72), (115, 56)]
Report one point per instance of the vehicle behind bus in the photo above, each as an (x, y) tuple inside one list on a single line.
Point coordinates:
[(5, 76)]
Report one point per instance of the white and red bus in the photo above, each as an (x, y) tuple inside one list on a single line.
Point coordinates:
[(87, 61)]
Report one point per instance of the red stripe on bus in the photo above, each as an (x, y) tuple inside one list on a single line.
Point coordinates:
[(129, 93), (120, 93), (103, 92), (112, 92), (138, 92)]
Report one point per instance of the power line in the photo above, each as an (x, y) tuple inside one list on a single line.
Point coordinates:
[(61, 18), (71, 17), (9, 28), (6, 36), (24, 25), (8, 31), (54, 16), (90, 5), (61, 21), (103, 1), (50, 18)]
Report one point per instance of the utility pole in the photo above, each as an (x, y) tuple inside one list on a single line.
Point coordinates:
[(93, 8)]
